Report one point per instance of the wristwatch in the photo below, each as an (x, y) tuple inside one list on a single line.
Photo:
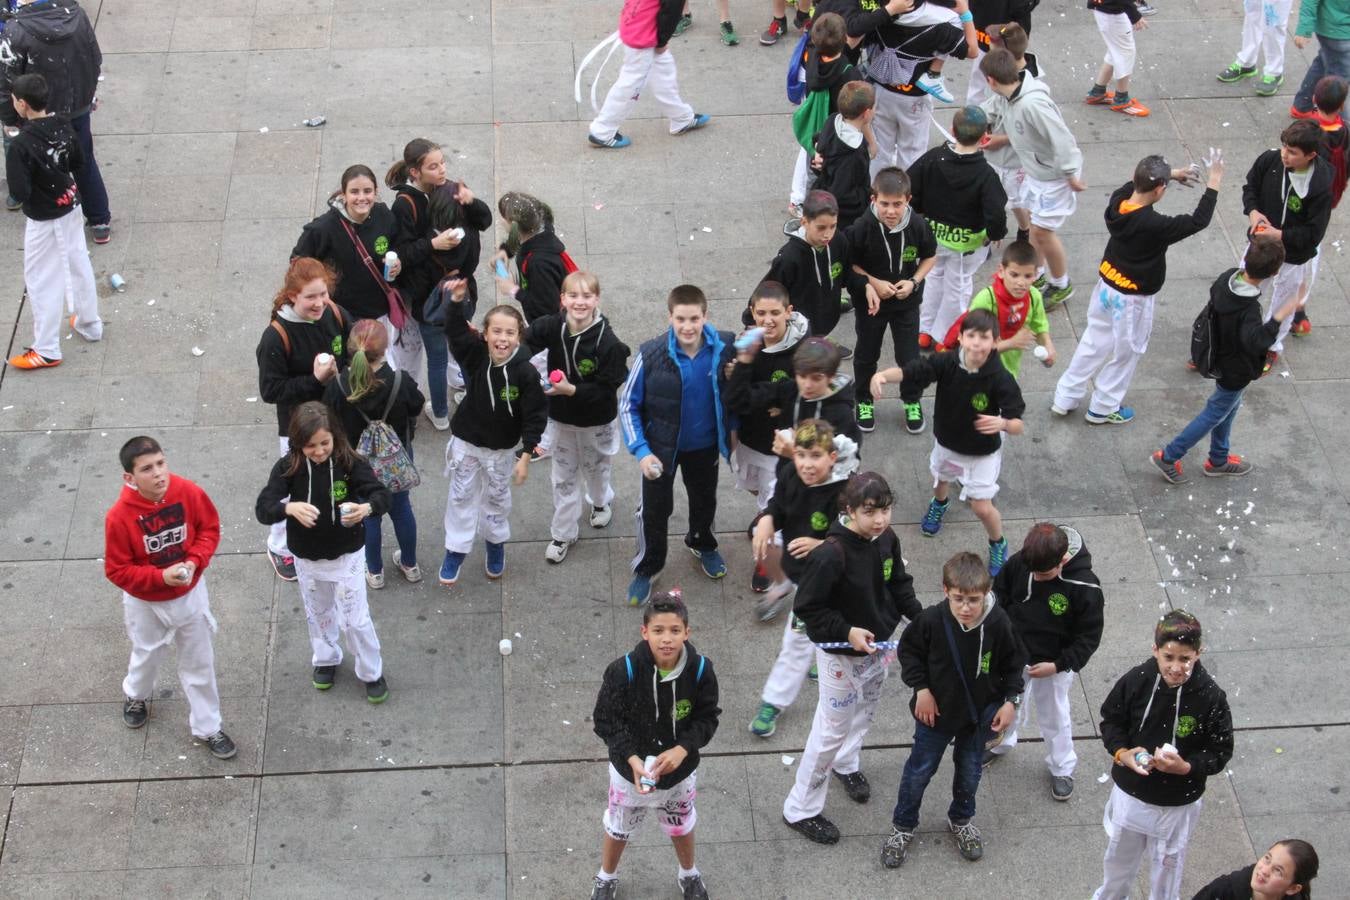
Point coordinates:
[(1015, 700)]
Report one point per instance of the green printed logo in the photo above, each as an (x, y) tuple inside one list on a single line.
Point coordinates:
[(337, 345), (820, 522), (509, 393), (887, 567), (985, 661), (381, 245), (682, 709), (779, 375), (339, 491), (911, 253), (1059, 604), (1185, 726), (980, 401), (586, 367), (1295, 202), (837, 269)]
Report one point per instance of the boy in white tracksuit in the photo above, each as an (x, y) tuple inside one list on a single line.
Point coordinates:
[(1055, 603), (1265, 25)]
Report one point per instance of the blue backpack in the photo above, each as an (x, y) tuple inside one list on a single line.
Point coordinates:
[(698, 676), (796, 84)]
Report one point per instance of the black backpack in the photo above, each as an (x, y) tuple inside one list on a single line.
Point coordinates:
[(1204, 353)]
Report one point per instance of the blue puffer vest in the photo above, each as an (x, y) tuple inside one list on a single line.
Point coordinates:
[(663, 388)]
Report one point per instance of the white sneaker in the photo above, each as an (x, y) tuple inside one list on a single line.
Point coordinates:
[(933, 84), (1059, 410), (440, 423), (773, 601), (457, 398), (411, 574), (600, 516), (376, 582), (556, 551)]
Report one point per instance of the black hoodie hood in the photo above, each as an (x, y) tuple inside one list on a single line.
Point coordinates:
[(1059, 620), (55, 39)]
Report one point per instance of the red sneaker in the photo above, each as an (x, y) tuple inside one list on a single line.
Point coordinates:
[(31, 359), (925, 341), (1302, 328), (1296, 113), (1131, 108), (1271, 358), (1099, 99)]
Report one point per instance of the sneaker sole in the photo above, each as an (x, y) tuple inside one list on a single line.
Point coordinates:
[(868, 428), (1059, 411), (135, 725), (1236, 78), (1063, 799), (912, 430), (377, 700), (765, 734), (322, 687), (493, 576), (1209, 474), (235, 752), (810, 837), (1104, 420)]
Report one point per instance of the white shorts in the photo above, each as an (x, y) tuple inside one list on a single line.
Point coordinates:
[(1011, 180), (1049, 202), (628, 808), (978, 474), (755, 472), (1118, 34)]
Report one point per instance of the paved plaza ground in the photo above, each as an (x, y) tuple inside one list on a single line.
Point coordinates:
[(481, 777)]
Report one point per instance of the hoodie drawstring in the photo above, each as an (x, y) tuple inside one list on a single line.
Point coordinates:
[(1176, 713), (309, 487)]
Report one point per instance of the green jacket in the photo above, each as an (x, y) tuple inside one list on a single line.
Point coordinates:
[(1325, 18)]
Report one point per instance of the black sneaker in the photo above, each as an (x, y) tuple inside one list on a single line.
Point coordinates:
[(967, 839), (817, 829), (692, 888), (285, 565), (914, 423), (989, 758), (134, 713), (760, 581), (605, 888), (220, 745), (845, 305), (844, 352), (323, 677), (856, 786), (1061, 786), (377, 691), (896, 848), (867, 416)]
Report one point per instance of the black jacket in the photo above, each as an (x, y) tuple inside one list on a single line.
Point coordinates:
[(325, 239), (637, 713), (1237, 886), (991, 658), (892, 255), (1301, 220), (757, 423), (39, 166), (503, 404), (1240, 338), (327, 486), (814, 278), (402, 415), (843, 171), (54, 39), (1203, 733), (960, 194), (1127, 7), (541, 268), (1135, 259), (801, 510), (1060, 620), (595, 361), (412, 243), (828, 74), (287, 379), (786, 407), (963, 395), (852, 582), (463, 258)]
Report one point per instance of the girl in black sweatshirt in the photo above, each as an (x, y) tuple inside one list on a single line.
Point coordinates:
[(541, 259), (298, 354), (1283, 873), (340, 492), (504, 405), (853, 593), (1167, 727)]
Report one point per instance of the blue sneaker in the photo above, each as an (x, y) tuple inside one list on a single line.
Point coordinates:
[(450, 567), (618, 142), (1122, 416), (494, 563), (700, 119), (640, 589), (932, 520), (711, 561), (998, 555)]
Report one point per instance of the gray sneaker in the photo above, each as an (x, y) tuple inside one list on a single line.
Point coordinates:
[(605, 889), (896, 848), (1061, 786), (692, 888), (967, 839)]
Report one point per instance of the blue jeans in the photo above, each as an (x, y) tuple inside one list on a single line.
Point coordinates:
[(405, 529), (1216, 420), (924, 758), (1333, 58), (438, 361), (93, 195)]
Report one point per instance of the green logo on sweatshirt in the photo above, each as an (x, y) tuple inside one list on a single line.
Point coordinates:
[(1295, 202), (339, 491), (1186, 726), (836, 269), (509, 393), (887, 567), (980, 401), (337, 346), (985, 661), (586, 367), (682, 709), (911, 253), (1059, 604), (820, 522), (779, 375), (381, 245)]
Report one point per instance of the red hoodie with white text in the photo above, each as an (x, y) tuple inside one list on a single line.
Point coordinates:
[(143, 537)]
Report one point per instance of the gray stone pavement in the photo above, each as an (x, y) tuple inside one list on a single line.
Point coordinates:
[(481, 777)]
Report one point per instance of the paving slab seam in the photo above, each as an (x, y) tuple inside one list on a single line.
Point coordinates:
[(9, 817)]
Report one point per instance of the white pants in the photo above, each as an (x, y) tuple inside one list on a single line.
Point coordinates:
[(900, 123), (1136, 829), (801, 178), (949, 289), (790, 668), (1118, 328), (642, 68), (1293, 278), (480, 495), (1012, 179), (978, 89), (850, 687), (276, 533), (1051, 696), (581, 455), (1118, 34), (407, 353), (60, 281), (755, 472), (187, 624), (628, 807), (1265, 24), (334, 592)]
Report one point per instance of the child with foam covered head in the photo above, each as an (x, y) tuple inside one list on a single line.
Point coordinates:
[(1167, 725)]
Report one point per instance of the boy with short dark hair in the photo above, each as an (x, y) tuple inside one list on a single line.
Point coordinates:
[(657, 707), (1130, 277), (827, 69), (963, 199), (894, 248), (816, 390), (159, 538), (1054, 600), (40, 165), (670, 409), (964, 663), (844, 151), (1240, 341), (1014, 299), (977, 399)]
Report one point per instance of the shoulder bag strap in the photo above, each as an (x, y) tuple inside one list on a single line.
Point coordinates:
[(956, 660), (365, 254), (285, 338), (393, 395)]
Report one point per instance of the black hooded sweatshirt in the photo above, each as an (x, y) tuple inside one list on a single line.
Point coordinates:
[(961, 195), (852, 582), (829, 74), (771, 365), (402, 414), (287, 379), (1060, 620), (413, 246), (786, 407), (799, 509), (595, 361), (1135, 259), (639, 713), (962, 395), (1301, 220), (815, 277), (1241, 338), (1237, 886), (326, 486), (991, 658), (54, 39), (325, 239), (541, 267), (39, 167), (1116, 7), (1142, 711), (503, 404), (892, 255), (843, 171)]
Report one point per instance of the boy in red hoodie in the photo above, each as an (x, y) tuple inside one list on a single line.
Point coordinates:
[(158, 540)]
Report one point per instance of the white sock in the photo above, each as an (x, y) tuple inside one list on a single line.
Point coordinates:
[(688, 873), (607, 876), (1061, 281)]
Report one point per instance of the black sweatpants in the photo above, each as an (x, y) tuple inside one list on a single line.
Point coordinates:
[(699, 469), (901, 317)]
